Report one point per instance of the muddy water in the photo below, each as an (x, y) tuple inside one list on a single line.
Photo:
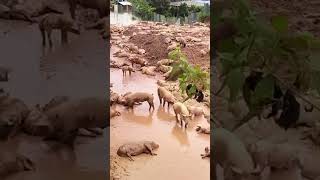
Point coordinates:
[(75, 70), (179, 153)]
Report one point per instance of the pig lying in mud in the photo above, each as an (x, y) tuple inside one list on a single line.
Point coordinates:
[(165, 96), (181, 110), (206, 153), (148, 71), (114, 113), (11, 163), (56, 21), (231, 154), (12, 114), (203, 130), (164, 68), (131, 99), (127, 68), (113, 98), (68, 117), (195, 111), (166, 62), (137, 148)]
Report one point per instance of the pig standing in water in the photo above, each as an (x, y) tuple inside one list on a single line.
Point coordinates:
[(166, 96), (181, 110), (133, 98), (137, 148), (68, 117)]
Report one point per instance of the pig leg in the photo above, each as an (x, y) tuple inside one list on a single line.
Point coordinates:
[(49, 37), (130, 157), (43, 35)]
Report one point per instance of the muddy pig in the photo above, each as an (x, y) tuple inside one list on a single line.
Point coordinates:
[(137, 60), (195, 111), (206, 153), (56, 21), (181, 110), (137, 148), (114, 113), (11, 163), (164, 68), (37, 123), (12, 114), (203, 130), (127, 68), (165, 62), (68, 117), (166, 96), (148, 71), (138, 97)]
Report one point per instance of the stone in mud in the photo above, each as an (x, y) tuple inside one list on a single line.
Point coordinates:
[(137, 148), (37, 123), (11, 163), (12, 113), (68, 117)]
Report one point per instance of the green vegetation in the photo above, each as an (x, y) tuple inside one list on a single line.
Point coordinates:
[(290, 60), (143, 9), (188, 74)]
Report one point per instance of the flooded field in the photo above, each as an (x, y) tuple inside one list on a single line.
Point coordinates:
[(38, 75), (178, 156)]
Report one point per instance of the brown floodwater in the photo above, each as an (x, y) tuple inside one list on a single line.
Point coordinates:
[(179, 153), (75, 70)]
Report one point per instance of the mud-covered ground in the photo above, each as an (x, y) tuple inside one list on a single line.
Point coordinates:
[(38, 74), (179, 152)]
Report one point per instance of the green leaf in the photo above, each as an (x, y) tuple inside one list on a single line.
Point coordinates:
[(280, 23), (264, 91), (235, 80)]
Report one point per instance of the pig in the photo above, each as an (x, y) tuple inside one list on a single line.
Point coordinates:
[(206, 153), (195, 111), (137, 60), (164, 68), (166, 62), (11, 163), (231, 154), (56, 21), (68, 117), (137, 148), (12, 114), (127, 68), (166, 96), (55, 101), (203, 130), (162, 83), (37, 123), (113, 98), (148, 71), (114, 113), (181, 110), (138, 97), (182, 41), (172, 47)]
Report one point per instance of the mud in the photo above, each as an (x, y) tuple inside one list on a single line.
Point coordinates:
[(179, 151), (40, 74)]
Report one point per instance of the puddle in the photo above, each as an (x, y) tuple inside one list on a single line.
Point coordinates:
[(75, 70), (179, 153)]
